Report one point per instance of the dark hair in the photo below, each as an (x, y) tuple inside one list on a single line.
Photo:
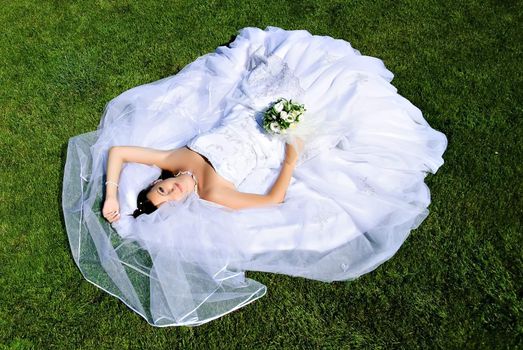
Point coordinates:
[(144, 205)]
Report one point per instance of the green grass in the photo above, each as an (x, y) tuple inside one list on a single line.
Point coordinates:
[(455, 283)]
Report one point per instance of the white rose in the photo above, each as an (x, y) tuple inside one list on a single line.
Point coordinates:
[(275, 127), (290, 118), (278, 107), (283, 115)]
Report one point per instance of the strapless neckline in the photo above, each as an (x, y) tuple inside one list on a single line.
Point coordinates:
[(201, 156), (230, 184)]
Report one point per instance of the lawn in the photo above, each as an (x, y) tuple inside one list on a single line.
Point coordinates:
[(456, 282)]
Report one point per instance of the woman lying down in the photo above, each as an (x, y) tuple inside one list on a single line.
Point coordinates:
[(194, 173)]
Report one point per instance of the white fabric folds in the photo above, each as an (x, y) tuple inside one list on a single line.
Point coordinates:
[(354, 197)]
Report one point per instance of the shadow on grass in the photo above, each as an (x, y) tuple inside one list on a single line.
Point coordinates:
[(59, 187)]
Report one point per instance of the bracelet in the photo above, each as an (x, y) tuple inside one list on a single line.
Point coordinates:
[(112, 183)]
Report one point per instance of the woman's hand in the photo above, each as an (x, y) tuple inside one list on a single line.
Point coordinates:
[(111, 209), (291, 154)]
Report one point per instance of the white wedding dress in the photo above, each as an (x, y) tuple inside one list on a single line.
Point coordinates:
[(357, 192)]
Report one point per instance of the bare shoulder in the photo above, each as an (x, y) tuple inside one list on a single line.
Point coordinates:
[(235, 199)]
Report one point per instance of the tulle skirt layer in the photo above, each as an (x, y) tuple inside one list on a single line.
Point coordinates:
[(354, 198)]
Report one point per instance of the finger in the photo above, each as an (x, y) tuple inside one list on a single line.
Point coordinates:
[(111, 215), (116, 218)]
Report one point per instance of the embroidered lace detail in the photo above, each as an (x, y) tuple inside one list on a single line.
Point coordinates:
[(269, 79), (228, 149)]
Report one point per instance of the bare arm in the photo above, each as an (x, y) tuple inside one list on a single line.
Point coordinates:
[(123, 154), (239, 200), (119, 155)]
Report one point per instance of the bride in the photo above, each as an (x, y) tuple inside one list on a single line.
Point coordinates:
[(223, 197), (211, 186)]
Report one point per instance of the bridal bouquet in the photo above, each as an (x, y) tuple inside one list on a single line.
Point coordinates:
[(286, 120), (282, 115)]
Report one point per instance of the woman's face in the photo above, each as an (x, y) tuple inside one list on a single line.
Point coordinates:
[(174, 188)]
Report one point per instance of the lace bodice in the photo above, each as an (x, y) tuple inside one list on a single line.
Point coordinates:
[(237, 148), (240, 144)]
